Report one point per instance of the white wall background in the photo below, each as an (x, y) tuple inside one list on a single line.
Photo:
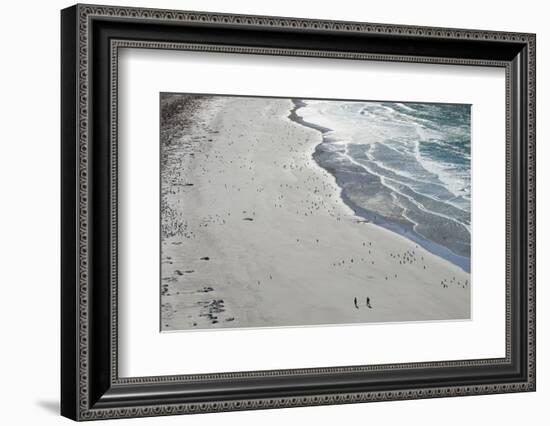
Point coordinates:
[(29, 213)]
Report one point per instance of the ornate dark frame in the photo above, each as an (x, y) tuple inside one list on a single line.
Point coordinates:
[(91, 36)]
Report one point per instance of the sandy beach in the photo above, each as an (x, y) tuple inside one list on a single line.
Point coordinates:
[(255, 234)]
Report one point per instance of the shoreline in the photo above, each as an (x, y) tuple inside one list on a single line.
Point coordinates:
[(433, 247)]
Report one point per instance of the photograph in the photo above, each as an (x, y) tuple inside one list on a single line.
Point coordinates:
[(291, 211), (265, 208)]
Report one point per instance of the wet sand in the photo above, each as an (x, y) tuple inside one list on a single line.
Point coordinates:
[(255, 234)]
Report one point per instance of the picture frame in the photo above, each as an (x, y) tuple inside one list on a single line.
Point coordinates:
[(91, 37)]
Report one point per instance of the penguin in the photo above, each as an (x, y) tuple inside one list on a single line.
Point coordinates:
[(368, 303), (355, 303)]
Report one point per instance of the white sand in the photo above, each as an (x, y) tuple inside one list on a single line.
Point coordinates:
[(304, 257)]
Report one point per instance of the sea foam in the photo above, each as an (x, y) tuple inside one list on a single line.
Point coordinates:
[(405, 166)]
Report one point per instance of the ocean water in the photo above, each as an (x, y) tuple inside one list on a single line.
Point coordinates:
[(404, 166)]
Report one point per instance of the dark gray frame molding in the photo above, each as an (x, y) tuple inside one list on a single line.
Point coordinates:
[(91, 38)]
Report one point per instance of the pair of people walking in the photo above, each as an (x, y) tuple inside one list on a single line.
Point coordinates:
[(367, 303)]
